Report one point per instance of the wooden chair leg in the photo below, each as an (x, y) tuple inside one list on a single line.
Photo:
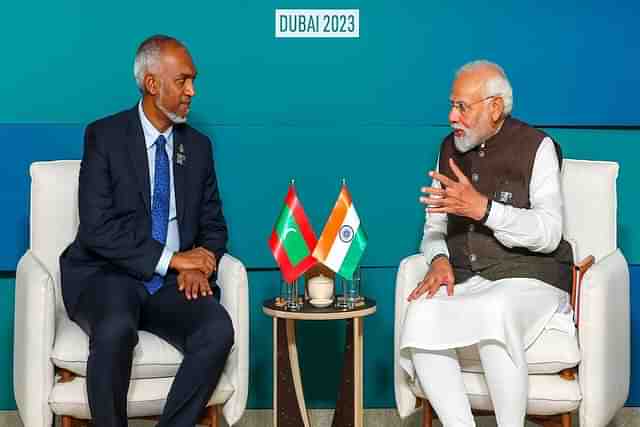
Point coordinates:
[(561, 420), (67, 421), (213, 415), (427, 414)]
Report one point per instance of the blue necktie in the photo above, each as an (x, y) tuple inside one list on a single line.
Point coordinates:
[(160, 205)]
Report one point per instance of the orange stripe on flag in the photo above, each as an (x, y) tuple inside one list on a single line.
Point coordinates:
[(333, 224)]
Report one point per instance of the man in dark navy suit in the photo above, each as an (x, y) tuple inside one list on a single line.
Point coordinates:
[(150, 238)]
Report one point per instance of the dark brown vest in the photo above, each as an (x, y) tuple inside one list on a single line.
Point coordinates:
[(501, 170)]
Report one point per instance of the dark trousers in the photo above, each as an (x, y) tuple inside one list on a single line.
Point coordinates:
[(113, 310)]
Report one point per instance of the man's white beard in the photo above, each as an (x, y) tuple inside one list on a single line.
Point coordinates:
[(175, 119), (468, 141)]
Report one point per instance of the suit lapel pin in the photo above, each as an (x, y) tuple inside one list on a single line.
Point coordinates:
[(180, 156)]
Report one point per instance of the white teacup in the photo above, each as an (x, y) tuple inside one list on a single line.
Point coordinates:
[(320, 288)]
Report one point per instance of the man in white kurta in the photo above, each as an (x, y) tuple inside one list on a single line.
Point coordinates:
[(504, 316)]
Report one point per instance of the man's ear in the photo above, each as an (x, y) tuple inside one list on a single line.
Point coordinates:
[(497, 109), (151, 84)]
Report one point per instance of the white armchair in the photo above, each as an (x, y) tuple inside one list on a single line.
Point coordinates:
[(50, 351), (601, 351)]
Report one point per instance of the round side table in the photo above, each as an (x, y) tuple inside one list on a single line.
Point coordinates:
[(289, 408)]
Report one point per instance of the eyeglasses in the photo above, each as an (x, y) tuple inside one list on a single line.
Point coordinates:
[(463, 108)]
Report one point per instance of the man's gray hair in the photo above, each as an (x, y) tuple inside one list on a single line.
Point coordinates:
[(495, 86), (148, 55)]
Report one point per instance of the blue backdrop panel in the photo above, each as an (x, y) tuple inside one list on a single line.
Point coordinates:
[(570, 62), (384, 167), (24, 144)]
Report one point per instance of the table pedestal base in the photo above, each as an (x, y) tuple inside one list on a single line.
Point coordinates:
[(349, 412), (289, 405)]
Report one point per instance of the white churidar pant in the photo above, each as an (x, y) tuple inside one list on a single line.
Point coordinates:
[(503, 318)]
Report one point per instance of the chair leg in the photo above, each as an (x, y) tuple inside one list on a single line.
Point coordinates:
[(213, 415), (561, 420), (67, 421), (427, 414)]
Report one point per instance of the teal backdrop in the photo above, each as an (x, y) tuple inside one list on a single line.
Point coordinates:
[(371, 110)]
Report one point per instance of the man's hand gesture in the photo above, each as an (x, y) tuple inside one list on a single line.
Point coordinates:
[(457, 197), (440, 274)]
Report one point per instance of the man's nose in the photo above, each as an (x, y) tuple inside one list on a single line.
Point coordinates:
[(454, 115), (189, 88)]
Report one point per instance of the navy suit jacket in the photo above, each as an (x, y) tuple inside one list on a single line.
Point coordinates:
[(114, 235)]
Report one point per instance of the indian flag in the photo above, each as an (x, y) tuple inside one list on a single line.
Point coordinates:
[(343, 239), (292, 239)]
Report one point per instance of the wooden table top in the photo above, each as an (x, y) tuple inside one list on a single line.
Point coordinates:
[(309, 312)]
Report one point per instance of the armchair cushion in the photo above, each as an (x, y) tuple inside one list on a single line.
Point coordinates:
[(153, 357), (146, 397), (548, 394), (552, 352)]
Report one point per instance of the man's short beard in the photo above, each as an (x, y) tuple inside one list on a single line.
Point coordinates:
[(173, 117), (472, 137), (467, 142)]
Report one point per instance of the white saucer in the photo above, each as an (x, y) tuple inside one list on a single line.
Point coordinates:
[(321, 302)]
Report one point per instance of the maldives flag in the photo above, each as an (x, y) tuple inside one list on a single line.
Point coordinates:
[(343, 239), (292, 239)]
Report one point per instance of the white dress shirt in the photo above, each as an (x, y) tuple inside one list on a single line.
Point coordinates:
[(538, 229), (151, 134)]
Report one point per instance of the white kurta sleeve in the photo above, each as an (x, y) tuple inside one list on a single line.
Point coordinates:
[(539, 228), (435, 231)]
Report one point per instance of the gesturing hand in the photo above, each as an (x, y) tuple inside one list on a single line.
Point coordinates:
[(440, 274), (193, 283), (457, 197), (195, 259)]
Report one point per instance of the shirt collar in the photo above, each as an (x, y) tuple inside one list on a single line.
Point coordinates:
[(150, 131)]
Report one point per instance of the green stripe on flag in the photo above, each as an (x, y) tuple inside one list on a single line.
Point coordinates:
[(354, 254), (289, 233)]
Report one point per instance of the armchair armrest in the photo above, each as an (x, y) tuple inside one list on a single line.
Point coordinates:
[(578, 271), (412, 270), (33, 340), (604, 338), (233, 282)]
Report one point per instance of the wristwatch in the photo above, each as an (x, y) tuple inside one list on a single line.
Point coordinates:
[(487, 211)]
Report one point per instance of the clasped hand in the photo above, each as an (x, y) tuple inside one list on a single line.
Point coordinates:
[(457, 197), (193, 283)]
